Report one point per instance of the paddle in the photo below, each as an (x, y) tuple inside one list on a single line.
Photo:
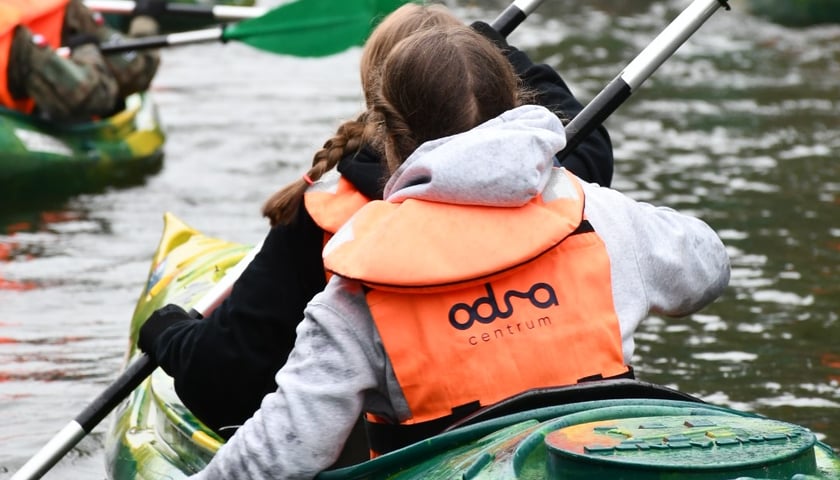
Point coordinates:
[(222, 13), (129, 379), (304, 28), (638, 70)]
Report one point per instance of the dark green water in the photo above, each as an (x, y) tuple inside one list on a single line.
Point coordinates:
[(740, 127)]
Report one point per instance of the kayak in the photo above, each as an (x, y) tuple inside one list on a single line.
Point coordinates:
[(152, 435), (39, 159), (797, 13), (603, 429)]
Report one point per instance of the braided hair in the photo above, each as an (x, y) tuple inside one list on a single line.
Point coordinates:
[(282, 207)]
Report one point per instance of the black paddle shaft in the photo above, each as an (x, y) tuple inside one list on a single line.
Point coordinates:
[(102, 405), (507, 21), (212, 34)]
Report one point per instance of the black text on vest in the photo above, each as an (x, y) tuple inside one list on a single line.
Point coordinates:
[(473, 314)]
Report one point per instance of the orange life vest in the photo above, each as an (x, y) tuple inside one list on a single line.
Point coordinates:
[(475, 304), (331, 201), (44, 17)]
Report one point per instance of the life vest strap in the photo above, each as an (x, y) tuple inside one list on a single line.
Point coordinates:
[(629, 374)]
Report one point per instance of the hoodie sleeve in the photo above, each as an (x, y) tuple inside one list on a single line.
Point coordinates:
[(661, 261), (592, 160), (301, 427)]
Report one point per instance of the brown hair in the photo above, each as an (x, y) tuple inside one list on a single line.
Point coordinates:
[(282, 207), (439, 82)]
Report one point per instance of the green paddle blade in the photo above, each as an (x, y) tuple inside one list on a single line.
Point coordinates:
[(312, 28)]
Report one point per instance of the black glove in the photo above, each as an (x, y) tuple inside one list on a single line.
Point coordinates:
[(150, 8), (159, 321), (491, 34)]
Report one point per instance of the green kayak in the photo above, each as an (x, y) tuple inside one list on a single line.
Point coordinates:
[(797, 13), (608, 429), (40, 159)]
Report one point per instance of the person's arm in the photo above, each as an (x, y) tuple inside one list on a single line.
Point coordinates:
[(661, 261), (240, 346), (592, 160), (672, 262), (333, 371)]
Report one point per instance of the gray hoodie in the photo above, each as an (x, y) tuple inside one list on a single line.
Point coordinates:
[(661, 262)]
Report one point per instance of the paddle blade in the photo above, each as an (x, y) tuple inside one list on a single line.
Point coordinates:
[(313, 28)]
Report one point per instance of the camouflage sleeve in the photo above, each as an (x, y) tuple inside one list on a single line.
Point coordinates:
[(87, 83), (133, 71), (63, 89)]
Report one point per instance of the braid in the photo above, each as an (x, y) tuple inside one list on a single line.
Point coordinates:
[(282, 207)]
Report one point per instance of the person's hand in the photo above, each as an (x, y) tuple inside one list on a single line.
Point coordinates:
[(149, 8), (491, 34), (159, 321)]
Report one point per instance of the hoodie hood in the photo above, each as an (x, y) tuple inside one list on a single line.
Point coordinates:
[(460, 208), (503, 162)]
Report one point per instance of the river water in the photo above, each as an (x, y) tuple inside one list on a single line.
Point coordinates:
[(739, 127)]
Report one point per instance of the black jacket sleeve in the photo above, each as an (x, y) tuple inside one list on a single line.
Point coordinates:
[(592, 160), (225, 364)]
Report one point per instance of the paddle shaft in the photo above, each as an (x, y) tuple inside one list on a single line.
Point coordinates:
[(73, 432), (222, 13), (513, 15), (213, 34), (637, 71), (129, 379)]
